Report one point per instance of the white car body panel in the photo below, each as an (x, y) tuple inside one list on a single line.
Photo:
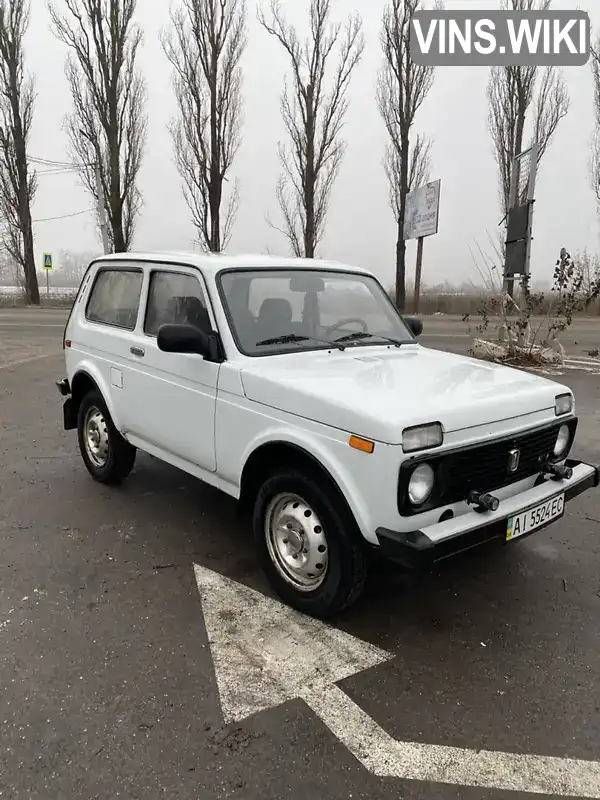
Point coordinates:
[(377, 392)]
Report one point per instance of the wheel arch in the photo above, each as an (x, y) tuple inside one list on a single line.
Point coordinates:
[(85, 380), (278, 454)]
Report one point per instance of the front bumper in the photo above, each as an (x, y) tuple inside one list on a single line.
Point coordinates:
[(420, 549)]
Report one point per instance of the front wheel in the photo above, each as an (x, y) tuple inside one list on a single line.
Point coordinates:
[(108, 457), (308, 544)]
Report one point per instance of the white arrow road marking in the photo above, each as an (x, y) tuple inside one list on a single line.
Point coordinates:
[(266, 653), (384, 756)]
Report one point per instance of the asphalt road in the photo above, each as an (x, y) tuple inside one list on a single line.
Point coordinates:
[(107, 679)]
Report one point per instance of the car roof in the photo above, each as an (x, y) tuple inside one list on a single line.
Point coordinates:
[(212, 263)]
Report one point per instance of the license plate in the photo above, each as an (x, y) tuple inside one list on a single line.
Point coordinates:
[(535, 517)]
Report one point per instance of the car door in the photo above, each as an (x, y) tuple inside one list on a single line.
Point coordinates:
[(173, 395)]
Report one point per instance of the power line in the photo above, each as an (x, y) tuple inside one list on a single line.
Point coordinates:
[(57, 171), (49, 162), (65, 216)]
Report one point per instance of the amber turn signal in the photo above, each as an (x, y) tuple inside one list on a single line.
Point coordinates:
[(361, 444)]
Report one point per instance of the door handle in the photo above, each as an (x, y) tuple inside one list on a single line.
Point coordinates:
[(137, 351)]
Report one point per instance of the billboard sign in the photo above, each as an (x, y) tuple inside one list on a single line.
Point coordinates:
[(422, 211)]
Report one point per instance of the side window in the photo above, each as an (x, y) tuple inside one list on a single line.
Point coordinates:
[(174, 297), (115, 298)]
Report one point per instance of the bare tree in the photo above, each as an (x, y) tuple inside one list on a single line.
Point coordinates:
[(523, 102), (313, 110), (17, 182), (205, 47), (402, 87), (107, 126), (595, 156)]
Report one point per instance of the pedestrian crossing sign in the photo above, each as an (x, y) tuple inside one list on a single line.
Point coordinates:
[(48, 261)]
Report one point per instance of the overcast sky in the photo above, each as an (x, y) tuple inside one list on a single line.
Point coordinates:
[(361, 228)]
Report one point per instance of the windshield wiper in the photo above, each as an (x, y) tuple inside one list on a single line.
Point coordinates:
[(292, 338), (350, 337)]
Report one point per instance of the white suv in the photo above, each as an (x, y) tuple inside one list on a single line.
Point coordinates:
[(295, 386)]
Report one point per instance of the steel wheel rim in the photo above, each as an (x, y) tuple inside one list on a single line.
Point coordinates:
[(296, 542), (95, 437)]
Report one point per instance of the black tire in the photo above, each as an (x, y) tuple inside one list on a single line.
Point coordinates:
[(347, 566), (121, 455)]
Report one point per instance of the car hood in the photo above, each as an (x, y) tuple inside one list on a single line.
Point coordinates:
[(377, 393)]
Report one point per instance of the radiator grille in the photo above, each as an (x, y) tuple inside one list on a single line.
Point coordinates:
[(485, 468), (482, 468)]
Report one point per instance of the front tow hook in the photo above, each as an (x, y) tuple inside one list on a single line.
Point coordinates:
[(484, 502), (558, 471)]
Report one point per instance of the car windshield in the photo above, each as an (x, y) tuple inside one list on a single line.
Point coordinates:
[(280, 311)]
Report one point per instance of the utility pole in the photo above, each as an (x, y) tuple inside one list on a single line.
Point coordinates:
[(101, 209), (418, 274)]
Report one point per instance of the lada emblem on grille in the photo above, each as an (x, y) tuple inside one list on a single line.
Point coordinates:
[(513, 460)]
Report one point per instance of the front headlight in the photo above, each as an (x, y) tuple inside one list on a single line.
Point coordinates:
[(563, 404), (562, 440), (422, 437), (421, 484)]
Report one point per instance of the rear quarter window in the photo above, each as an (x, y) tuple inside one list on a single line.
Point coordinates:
[(115, 298)]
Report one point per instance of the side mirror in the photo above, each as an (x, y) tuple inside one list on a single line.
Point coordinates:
[(415, 325), (182, 339)]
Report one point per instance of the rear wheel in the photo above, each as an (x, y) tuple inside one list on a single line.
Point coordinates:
[(108, 457), (308, 544)]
